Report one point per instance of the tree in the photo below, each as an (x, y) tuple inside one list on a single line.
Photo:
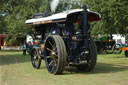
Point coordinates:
[(114, 15), (18, 12), (2, 25), (2, 18)]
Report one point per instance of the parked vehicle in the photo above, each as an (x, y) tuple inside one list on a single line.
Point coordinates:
[(65, 40), (105, 44), (110, 44), (124, 48)]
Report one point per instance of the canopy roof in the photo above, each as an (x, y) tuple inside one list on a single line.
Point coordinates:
[(59, 17)]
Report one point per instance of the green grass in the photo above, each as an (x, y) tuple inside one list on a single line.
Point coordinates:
[(16, 69)]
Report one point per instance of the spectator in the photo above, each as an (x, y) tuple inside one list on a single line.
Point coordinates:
[(24, 49)]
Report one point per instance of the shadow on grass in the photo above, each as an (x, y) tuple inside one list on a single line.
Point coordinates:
[(100, 68), (123, 57), (109, 68), (10, 58), (113, 55)]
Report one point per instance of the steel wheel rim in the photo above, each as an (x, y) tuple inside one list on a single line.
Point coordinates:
[(51, 55), (35, 59), (116, 49), (109, 49)]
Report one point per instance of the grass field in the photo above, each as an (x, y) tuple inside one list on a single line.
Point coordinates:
[(16, 69)]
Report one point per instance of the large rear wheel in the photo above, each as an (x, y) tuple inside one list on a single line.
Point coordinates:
[(91, 58), (55, 54)]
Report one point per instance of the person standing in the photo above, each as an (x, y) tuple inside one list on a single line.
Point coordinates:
[(24, 49)]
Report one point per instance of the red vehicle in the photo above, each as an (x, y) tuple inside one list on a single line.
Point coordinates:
[(1, 40)]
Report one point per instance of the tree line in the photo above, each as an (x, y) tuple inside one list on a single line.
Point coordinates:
[(114, 15)]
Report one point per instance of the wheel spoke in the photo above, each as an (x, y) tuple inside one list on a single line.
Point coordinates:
[(54, 49), (49, 57), (53, 67), (36, 63), (55, 61), (51, 44), (35, 52), (56, 52), (49, 50), (51, 63), (54, 45), (35, 59), (55, 55)]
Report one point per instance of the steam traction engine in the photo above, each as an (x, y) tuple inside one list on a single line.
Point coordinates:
[(65, 40)]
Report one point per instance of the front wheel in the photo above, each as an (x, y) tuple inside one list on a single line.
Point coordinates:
[(55, 54), (36, 58)]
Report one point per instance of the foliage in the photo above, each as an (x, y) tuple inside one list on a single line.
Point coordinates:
[(2, 25), (114, 14), (18, 12)]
